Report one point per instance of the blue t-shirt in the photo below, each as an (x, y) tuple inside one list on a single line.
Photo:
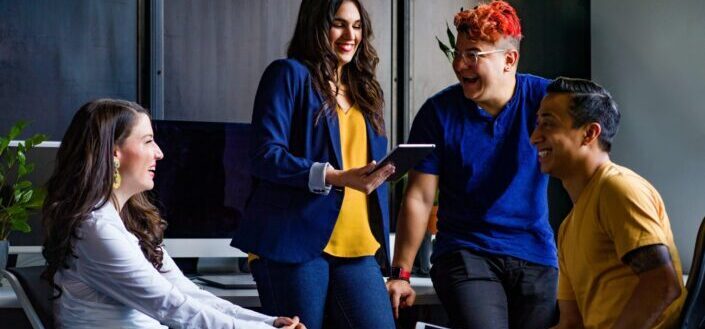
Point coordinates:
[(492, 193)]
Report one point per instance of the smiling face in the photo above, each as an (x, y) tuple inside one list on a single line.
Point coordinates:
[(560, 145), (138, 155), (345, 33), (488, 79)]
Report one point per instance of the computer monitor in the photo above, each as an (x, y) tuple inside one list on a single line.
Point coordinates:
[(43, 156), (201, 185)]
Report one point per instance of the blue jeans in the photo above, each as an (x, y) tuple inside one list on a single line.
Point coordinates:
[(326, 292)]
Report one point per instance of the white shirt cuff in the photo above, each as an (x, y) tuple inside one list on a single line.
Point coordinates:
[(317, 178)]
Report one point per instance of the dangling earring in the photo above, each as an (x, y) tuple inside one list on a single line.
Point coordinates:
[(117, 180)]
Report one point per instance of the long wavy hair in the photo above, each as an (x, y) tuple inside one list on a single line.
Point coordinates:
[(82, 182), (311, 46)]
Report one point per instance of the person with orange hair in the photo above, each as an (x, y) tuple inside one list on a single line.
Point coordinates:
[(494, 259)]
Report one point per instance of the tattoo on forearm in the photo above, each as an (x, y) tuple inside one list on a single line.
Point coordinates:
[(648, 258)]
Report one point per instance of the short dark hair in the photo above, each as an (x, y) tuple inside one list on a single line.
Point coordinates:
[(590, 102)]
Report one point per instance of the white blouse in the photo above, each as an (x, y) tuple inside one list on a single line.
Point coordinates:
[(112, 285)]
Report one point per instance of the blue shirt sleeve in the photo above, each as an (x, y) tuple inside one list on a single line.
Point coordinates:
[(427, 129)]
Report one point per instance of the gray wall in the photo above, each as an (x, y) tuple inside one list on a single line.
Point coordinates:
[(216, 51), (430, 69), (649, 55), (51, 62)]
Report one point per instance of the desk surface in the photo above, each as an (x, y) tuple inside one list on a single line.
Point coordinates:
[(425, 295)]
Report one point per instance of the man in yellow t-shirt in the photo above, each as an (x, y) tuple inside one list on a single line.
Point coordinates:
[(618, 264)]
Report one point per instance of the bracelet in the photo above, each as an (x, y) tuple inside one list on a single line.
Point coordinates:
[(399, 273)]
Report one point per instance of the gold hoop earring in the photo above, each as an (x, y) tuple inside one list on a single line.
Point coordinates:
[(117, 179)]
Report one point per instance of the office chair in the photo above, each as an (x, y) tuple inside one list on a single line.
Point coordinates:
[(33, 293), (693, 314)]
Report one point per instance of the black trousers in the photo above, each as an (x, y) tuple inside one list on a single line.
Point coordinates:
[(495, 292)]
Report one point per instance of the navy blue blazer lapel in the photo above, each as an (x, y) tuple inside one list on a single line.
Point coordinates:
[(334, 132)]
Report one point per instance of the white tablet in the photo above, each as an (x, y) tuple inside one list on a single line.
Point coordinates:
[(424, 325)]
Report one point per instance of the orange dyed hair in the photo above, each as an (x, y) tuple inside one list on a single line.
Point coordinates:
[(490, 22)]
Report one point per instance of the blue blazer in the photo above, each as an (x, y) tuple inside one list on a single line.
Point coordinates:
[(282, 219)]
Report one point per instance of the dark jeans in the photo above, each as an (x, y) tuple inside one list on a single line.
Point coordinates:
[(350, 292), (498, 292)]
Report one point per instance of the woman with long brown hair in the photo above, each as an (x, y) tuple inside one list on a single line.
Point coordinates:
[(317, 223), (103, 238)]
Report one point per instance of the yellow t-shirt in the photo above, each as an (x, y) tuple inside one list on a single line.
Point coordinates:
[(618, 212), (352, 235)]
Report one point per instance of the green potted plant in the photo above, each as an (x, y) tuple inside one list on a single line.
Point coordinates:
[(18, 198)]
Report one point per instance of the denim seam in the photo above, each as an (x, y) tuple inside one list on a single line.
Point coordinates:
[(342, 310)]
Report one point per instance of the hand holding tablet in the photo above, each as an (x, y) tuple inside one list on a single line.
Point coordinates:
[(361, 178), (404, 157), (366, 179)]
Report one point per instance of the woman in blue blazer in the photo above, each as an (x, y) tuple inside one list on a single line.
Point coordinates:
[(317, 218)]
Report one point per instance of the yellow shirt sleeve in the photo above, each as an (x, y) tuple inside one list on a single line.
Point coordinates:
[(630, 215)]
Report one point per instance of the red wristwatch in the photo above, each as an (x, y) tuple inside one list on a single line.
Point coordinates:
[(399, 273)]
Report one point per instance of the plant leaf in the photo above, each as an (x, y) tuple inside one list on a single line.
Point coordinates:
[(21, 171), (37, 199), (21, 225), (451, 37), (442, 45), (445, 49), (16, 130), (26, 197), (14, 210), (4, 143), (23, 185), (35, 140), (18, 218), (10, 158), (21, 157), (29, 168), (17, 212)]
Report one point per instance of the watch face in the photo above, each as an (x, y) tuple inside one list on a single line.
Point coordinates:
[(399, 273), (395, 272)]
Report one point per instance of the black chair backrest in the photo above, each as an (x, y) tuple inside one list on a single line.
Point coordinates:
[(37, 290), (693, 314)]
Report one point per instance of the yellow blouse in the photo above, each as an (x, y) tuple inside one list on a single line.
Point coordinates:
[(352, 235)]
